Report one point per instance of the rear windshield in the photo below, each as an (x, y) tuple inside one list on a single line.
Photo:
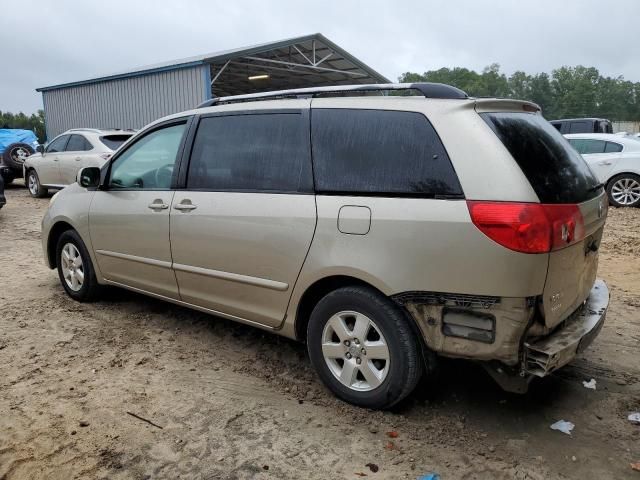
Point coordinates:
[(557, 173), (114, 141)]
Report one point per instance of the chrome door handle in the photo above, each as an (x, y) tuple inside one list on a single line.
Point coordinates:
[(185, 207), (158, 205)]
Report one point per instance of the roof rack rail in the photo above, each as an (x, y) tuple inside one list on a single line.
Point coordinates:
[(102, 130), (94, 130), (429, 90)]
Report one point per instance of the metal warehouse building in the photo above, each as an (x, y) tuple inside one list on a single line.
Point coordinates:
[(133, 99)]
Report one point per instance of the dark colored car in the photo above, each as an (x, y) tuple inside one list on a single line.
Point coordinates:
[(3, 200), (583, 125), (15, 146)]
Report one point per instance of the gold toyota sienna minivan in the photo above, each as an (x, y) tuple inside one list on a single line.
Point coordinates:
[(381, 228)]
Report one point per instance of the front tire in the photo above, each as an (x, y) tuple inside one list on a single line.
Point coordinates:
[(75, 269), (363, 347), (624, 190), (36, 190)]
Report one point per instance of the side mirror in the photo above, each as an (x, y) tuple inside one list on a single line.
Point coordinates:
[(88, 177), (40, 149)]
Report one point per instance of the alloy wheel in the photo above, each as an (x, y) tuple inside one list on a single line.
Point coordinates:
[(72, 267), (32, 184), (626, 191), (355, 351)]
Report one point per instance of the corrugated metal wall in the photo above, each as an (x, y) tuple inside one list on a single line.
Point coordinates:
[(629, 127), (130, 102)]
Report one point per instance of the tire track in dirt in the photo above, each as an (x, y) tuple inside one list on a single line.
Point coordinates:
[(232, 399)]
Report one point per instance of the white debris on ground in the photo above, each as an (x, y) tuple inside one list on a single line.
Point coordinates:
[(591, 384), (563, 426), (634, 418)]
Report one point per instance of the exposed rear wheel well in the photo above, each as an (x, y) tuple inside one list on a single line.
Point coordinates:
[(57, 230), (315, 293), (322, 287)]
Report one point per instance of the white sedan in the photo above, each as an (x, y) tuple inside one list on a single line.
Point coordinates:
[(615, 160)]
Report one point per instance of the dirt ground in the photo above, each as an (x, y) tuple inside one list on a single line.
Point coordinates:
[(229, 401)]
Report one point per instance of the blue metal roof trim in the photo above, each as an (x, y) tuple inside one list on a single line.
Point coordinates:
[(120, 76), (44, 109), (207, 83)]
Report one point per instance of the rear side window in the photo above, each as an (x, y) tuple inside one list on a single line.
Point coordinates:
[(580, 127), (557, 173), (261, 152), (612, 147), (586, 146), (77, 143), (114, 141), (375, 152)]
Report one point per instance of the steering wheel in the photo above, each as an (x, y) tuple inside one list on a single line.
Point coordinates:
[(163, 175)]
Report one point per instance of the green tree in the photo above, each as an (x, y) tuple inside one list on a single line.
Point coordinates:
[(576, 90), (568, 92), (542, 94), (520, 85), (34, 122), (493, 83)]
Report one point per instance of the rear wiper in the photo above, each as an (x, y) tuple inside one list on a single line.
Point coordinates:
[(596, 187)]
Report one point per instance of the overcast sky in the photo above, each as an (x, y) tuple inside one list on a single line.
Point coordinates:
[(49, 42)]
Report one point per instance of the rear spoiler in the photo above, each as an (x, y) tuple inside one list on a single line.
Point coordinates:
[(505, 105)]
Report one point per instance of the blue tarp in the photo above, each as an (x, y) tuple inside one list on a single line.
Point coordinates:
[(13, 135)]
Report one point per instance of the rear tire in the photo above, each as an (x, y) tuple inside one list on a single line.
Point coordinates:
[(363, 347), (75, 270), (36, 190), (15, 154), (624, 190)]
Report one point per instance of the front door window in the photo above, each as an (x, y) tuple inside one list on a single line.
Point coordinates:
[(149, 163), (58, 144)]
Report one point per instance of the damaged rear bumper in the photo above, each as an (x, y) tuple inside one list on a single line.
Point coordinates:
[(494, 331), (547, 354)]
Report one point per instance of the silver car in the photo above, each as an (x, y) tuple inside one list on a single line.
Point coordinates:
[(57, 165), (382, 230)]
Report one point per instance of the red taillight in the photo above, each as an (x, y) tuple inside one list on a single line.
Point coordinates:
[(528, 227)]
